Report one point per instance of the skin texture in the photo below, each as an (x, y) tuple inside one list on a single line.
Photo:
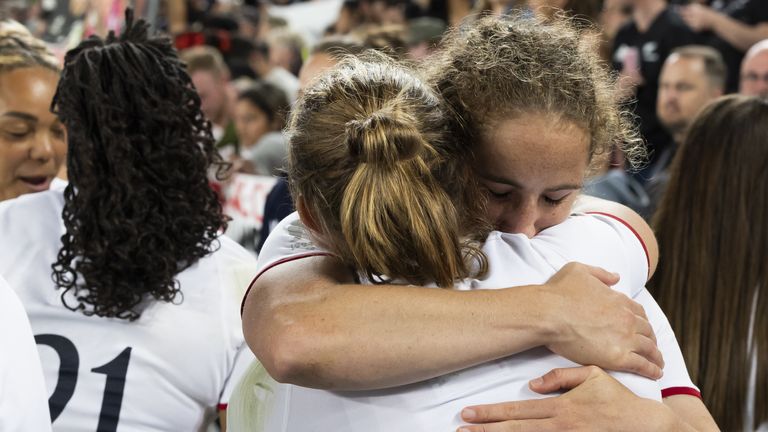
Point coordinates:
[(741, 36), (684, 89), (754, 72), (595, 401), (213, 96), (32, 140), (533, 171), (315, 65), (251, 123)]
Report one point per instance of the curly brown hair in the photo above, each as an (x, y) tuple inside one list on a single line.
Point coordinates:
[(496, 68)]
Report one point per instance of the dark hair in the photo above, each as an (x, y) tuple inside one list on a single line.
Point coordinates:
[(269, 98), (712, 280), (139, 208)]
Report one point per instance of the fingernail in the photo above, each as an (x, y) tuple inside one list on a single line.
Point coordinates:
[(537, 382), (467, 414)]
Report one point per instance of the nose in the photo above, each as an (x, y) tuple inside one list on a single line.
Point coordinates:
[(42, 148), (522, 219)]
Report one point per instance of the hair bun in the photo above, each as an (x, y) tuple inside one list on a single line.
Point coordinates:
[(384, 138)]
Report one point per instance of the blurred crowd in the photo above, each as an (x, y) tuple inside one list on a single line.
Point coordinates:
[(250, 60)]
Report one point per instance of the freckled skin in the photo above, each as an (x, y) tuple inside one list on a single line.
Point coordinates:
[(533, 166)]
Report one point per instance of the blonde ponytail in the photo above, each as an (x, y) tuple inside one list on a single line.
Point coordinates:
[(368, 149), (395, 217)]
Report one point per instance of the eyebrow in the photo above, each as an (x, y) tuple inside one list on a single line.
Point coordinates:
[(510, 182), (20, 115)]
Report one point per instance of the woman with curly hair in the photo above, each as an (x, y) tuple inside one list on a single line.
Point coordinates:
[(32, 147), (129, 286), (533, 105)]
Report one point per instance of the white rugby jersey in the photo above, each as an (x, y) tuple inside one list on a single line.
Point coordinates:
[(170, 370), (23, 401), (514, 260)]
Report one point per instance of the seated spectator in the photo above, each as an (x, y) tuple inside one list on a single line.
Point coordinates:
[(730, 26), (754, 71), (129, 287), (210, 77), (276, 75), (712, 280), (423, 36), (690, 78), (285, 48), (260, 114), (639, 51), (32, 148)]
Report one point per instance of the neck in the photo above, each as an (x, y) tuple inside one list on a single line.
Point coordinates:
[(646, 11)]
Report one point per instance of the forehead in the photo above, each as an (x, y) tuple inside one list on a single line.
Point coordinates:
[(683, 68), (205, 80), (535, 145), (757, 63), (315, 65), (28, 90)]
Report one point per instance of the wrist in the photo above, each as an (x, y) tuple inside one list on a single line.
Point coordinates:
[(551, 327)]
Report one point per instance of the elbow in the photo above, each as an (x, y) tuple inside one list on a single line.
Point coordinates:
[(291, 353)]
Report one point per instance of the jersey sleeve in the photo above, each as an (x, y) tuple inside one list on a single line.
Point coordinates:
[(243, 360), (604, 241), (676, 380), (23, 398), (289, 241)]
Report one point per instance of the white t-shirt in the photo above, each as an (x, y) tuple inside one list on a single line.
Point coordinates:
[(23, 401), (514, 260), (170, 370)]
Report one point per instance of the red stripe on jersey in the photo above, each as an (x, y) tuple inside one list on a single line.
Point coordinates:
[(222, 407), (674, 391), (626, 224), (275, 264)]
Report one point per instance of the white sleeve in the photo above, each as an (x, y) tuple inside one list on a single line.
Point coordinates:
[(676, 380), (604, 241), (23, 398), (289, 240), (243, 360)]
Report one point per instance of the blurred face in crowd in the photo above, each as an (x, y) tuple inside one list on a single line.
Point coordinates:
[(533, 166), (32, 140), (251, 123), (754, 73), (213, 95), (684, 88), (315, 65)]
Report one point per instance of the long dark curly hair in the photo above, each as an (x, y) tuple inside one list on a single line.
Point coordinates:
[(138, 209)]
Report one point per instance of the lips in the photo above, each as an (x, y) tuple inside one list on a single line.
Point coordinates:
[(37, 183)]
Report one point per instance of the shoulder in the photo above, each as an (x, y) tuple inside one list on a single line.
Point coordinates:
[(32, 218)]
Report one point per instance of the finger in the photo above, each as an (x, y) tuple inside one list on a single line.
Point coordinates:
[(637, 364), (636, 308), (521, 410), (648, 348), (561, 379), (536, 425), (603, 275), (643, 327)]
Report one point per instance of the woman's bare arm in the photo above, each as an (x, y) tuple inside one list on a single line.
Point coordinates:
[(309, 325)]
